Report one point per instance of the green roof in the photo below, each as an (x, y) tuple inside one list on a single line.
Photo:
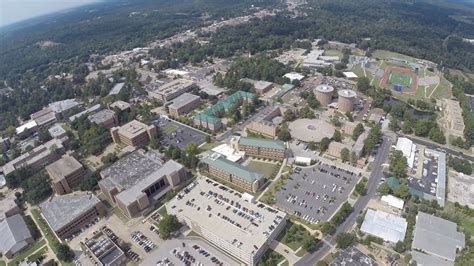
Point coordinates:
[(234, 168), (263, 143), (209, 115), (393, 183)]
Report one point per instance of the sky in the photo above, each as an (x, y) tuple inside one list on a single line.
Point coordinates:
[(12, 11)]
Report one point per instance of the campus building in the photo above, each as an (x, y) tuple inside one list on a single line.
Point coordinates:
[(8, 206), (184, 104), (14, 235), (259, 147), (385, 225), (133, 181), (133, 133), (37, 158), (209, 118), (218, 166), (104, 250), (266, 123), (66, 174), (437, 237), (243, 228), (172, 89), (262, 86), (67, 214), (105, 118)]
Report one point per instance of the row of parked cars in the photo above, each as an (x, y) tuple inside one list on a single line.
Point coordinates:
[(143, 241)]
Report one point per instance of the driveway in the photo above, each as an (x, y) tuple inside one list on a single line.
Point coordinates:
[(359, 206)]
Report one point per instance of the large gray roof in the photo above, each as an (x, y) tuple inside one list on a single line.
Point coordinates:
[(183, 100), (61, 210), (132, 169), (13, 233), (437, 236)]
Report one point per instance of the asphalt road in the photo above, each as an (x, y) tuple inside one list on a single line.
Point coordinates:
[(323, 247), (435, 146)]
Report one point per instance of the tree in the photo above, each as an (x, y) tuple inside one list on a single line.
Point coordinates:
[(399, 247), (309, 244), (324, 144), (384, 189), (402, 191), (168, 225), (64, 252), (284, 133), (345, 240), (337, 137), (208, 139), (398, 164), (360, 188), (363, 84), (353, 157), (289, 115), (90, 183), (345, 154), (358, 130), (327, 228)]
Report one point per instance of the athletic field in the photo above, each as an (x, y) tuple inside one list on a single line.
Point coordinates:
[(401, 79)]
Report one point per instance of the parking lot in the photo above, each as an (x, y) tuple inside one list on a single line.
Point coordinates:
[(429, 179), (315, 193), (187, 252), (353, 256), (178, 135)]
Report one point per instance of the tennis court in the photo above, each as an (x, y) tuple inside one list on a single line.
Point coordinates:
[(401, 79)]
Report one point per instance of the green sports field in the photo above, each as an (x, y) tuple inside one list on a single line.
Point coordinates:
[(400, 78)]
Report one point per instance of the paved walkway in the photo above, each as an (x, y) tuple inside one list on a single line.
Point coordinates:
[(285, 251), (283, 164), (50, 254)]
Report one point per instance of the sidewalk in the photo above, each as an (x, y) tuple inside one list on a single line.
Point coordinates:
[(285, 251)]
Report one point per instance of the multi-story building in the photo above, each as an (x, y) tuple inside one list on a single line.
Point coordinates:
[(273, 149), (4, 144), (218, 166), (67, 214), (122, 106), (172, 89), (15, 236), (104, 250), (133, 180), (243, 228), (8, 207), (134, 133), (209, 118), (266, 123), (106, 118), (66, 174), (184, 104), (37, 158), (262, 86)]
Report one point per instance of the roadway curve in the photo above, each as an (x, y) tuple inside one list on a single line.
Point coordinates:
[(324, 246)]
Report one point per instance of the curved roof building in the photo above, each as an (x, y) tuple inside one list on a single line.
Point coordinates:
[(324, 94), (346, 100)]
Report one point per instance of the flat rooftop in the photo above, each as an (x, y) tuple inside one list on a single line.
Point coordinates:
[(430, 229), (120, 105), (223, 212), (136, 172), (183, 100), (61, 210), (384, 225), (63, 167), (102, 116), (174, 86), (133, 128)]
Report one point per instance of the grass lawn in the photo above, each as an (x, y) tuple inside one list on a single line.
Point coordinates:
[(301, 253), (38, 254), (117, 212), (44, 227), (443, 90), (2, 263), (169, 129), (333, 53), (294, 235), (400, 78), (420, 91), (209, 146), (271, 257), (359, 71), (28, 252), (382, 54), (268, 169)]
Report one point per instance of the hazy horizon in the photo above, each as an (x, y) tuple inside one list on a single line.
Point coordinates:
[(12, 11)]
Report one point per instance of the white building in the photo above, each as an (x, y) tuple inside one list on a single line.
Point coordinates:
[(408, 149), (230, 153), (222, 216), (387, 226), (393, 201)]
